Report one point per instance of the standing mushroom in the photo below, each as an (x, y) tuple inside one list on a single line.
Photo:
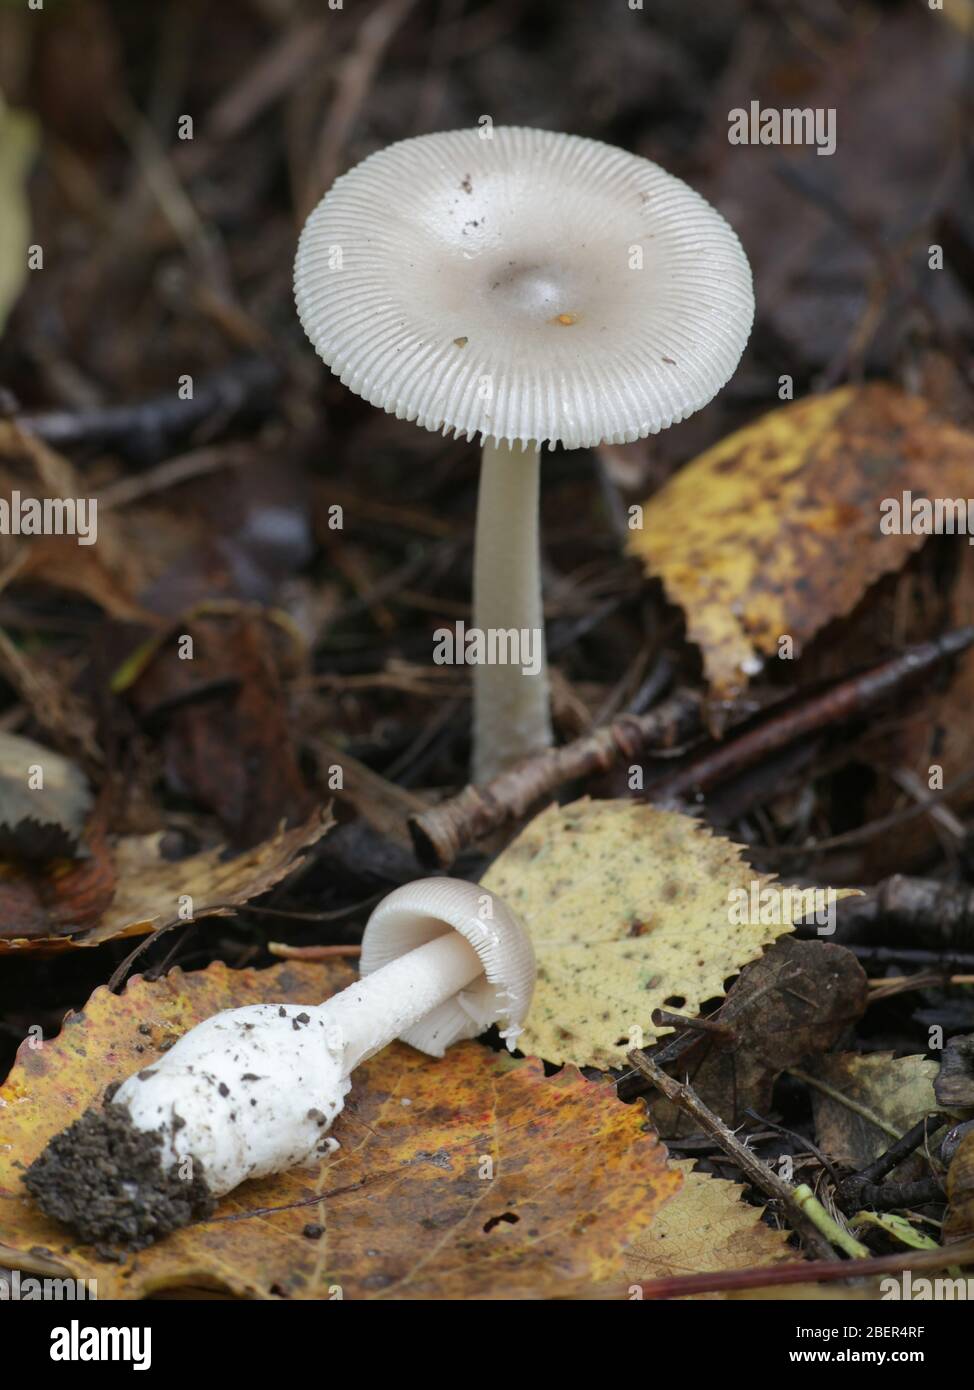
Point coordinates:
[(253, 1091), (533, 288)]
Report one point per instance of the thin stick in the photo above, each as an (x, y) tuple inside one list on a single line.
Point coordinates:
[(803, 1215), (280, 948), (807, 1272), (441, 833)]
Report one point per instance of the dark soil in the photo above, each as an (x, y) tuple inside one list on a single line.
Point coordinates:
[(102, 1177)]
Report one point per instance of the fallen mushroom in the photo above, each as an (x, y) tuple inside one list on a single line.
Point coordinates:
[(253, 1091), (533, 288)]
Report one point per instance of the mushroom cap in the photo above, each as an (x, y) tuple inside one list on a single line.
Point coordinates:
[(430, 907), (527, 287)]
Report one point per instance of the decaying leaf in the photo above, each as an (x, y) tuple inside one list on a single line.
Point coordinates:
[(150, 890), (775, 531), (896, 1090), (630, 909), (954, 1086), (792, 1004), (44, 800), (898, 1228), (470, 1177), (46, 900), (706, 1226), (960, 1192), (228, 741)]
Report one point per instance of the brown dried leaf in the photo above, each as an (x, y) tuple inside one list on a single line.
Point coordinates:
[(960, 1192), (792, 1004), (898, 1091), (954, 1086), (151, 890)]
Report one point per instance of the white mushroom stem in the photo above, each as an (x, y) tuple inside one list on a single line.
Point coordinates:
[(511, 716), (380, 1007)]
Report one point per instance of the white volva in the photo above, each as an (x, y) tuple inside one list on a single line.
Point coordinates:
[(254, 1091)]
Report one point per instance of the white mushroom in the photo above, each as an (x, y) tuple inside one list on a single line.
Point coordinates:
[(531, 288), (253, 1091)]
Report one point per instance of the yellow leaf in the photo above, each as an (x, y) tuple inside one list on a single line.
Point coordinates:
[(705, 1227), (895, 1226), (628, 909), (775, 531)]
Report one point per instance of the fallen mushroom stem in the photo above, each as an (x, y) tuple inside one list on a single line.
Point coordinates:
[(379, 1008), (254, 1090), (511, 716)]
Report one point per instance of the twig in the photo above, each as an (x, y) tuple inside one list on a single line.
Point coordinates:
[(849, 699), (280, 948), (355, 77), (146, 429), (946, 962), (928, 912), (442, 832), (806, 1216), (807, 1272), (861, 1189), (902, 984)]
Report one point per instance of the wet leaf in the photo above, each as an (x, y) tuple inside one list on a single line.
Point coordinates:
[(150, 890), (897, 1091), (792, 1004), (44, 901), (228, 739), (775, 531), (470, 1177), (960, 1192), (629, 907), (898, 1228)]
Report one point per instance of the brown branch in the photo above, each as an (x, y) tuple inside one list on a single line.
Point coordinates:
[(848, 699), (442, 832), (754, 1169), (806, 1272)]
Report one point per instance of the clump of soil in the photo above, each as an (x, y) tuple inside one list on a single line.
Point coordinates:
[(103, 1177)]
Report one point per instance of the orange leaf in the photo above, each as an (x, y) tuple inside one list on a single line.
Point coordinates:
[(471, 1177)]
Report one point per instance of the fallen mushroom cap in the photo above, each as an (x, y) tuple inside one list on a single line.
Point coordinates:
[(430, 908), (490, 286)]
